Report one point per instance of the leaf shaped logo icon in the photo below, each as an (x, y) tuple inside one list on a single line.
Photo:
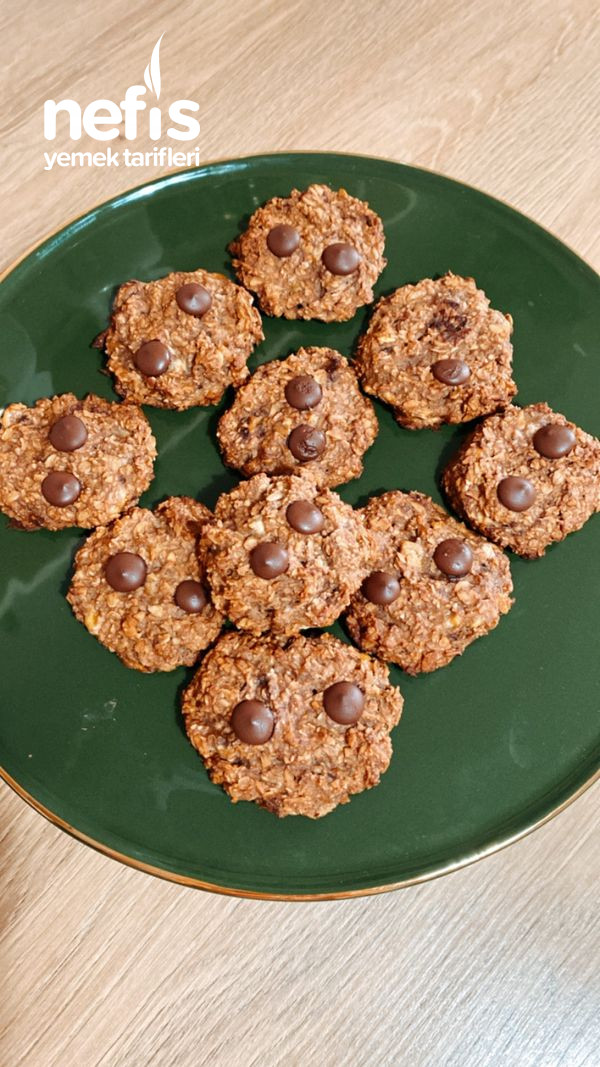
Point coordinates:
[(152, 71)]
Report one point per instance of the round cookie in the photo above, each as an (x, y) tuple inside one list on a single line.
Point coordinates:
[(434, 588), (260, 713), (315, 254), (283, 555), (69, 462), (139, 588), (437, 352), (306, 412), (178, 342), (525, 478)]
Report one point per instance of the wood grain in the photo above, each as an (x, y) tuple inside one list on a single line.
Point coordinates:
[(495, 965)]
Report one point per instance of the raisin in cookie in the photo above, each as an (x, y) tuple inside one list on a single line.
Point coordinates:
[(139, 588), (437, 352), (526, 478), (297, 726), (178, 342), (435, 587), (282, 554), (69, 462), (315, 254), (304, 411)]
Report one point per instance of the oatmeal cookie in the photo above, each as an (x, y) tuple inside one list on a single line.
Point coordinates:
[(525, 478), (178, 342), (315, 254), (139, 588), (297, 726), (69, 462), (437, 352), (436, 586), (304, 411), (283, 554)]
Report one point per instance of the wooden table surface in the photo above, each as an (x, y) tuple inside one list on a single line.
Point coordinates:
[(496, 964)]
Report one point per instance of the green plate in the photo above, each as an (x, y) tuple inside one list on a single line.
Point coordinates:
[(487, 748)]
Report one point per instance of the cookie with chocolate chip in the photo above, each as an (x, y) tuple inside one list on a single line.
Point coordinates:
[(315, 254), (306, 412), (138, 586), (437, 352), (178, 342), (434, 588), (283, 554), (526, 478), (69, 462), (297, 726)]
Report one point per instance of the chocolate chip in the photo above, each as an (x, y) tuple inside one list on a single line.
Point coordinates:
[(125, 571), (68, 434), (381, 587), (306, 443), (303, 392), (341, 258), (252, 722), (269, 559), (448, 321), (305, 517), (451, 371), (344, 702), (61, 488), (152, 359), (282, 240), (517, 494), (453, 557), (191, 596), (553, 440), (194, 299)]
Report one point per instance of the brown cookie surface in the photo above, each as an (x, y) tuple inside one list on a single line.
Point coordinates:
[(315, 254), (435, 586), (525, 478), (313, 390), (69, 462), (283, 555), (139, 588), (178, 342), (259, 712), (437, 352)]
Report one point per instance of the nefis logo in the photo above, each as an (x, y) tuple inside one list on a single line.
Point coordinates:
[(100, 118), (136, 114)]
